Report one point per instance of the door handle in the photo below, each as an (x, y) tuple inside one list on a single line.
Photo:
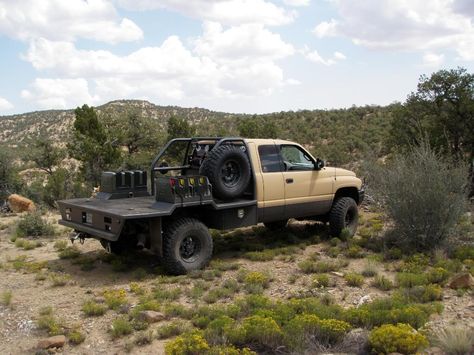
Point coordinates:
[(289, 181)]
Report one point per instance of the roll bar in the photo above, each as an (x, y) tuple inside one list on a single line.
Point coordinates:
[(218, 141)]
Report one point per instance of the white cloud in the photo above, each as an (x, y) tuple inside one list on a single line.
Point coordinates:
[(66, 20), (5, 105), (315, 57), (297, 2), (236, 62), (404, 25), (339, 56), (59, 93), (241, 42), (227, 12), (433, 60)]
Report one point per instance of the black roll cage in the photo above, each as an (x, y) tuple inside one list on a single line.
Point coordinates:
[(218, 141)]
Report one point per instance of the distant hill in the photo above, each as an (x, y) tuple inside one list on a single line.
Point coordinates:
[(56, 124), (339, 135)]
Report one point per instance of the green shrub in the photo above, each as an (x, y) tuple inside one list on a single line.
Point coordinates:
[(27, 244), (120, 327), (58, 279), (143, 338), (92, 308), (321, 280), (353, 279), (47, 321), (60, 245), (305, 329), (309, 266), (261, 331), (219, 330), (187, 344), (256, 281), (370, 269), (453, 340), (407, 279), (438, 275), (115, 298), (163, 294), (76, 337), (32, 224), (422, 293), (6, 298), (71, 252), (400, 338), (229, 350), (382, 283), (172, 329), (464, 252), (425, 210), (354, 252)]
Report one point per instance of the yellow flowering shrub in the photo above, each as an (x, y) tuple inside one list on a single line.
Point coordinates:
[(192, 343), (115, 298), (400, 338)]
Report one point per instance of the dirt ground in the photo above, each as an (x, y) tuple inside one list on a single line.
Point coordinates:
[(19, 333)]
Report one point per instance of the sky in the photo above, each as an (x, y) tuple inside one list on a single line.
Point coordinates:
[(249, 56)]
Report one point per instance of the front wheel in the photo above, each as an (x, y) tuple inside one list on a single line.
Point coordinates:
[(344, 214), (187, 246)]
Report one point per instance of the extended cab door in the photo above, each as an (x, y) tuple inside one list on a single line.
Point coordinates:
[(272, 189), (308, 192)]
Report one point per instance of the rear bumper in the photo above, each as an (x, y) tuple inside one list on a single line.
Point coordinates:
[(89, 230), (361, 195)]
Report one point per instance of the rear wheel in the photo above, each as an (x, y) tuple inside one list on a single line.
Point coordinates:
[(344, 214), (187, 246), (277, 225)]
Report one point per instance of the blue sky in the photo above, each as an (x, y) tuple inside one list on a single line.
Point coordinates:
[(250, 56)]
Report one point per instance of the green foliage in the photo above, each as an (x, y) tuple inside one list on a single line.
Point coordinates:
[(305, 329), (453, 340), (187, 344), (115, 298), (424, 196), (6, 298), (257, 127), (172, 329), (76, 337), (354, 279), (407, 279), (47, 321), (422, 293), (179, 128), (310, 266), (9, 179), (464, 252), (32, 224), (121, 326), (219, 330), (46, 156), (382, 283), (441, 111), (400, 338), (438, 275), (256, 281), (92, 308), (91, 145), (260, 330), (71, 252), (321, 280)]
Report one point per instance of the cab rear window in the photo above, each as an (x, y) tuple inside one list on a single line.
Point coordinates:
[(270, 158)]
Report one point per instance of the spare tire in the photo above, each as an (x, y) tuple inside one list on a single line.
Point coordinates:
[(228, 170)]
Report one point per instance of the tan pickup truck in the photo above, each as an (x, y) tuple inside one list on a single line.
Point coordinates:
[(222, 183)]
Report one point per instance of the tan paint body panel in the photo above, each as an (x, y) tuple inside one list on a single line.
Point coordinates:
[(308, 186)]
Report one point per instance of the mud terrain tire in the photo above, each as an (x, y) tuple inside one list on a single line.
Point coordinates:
[(228, 170), (187, 246), (343, 214)]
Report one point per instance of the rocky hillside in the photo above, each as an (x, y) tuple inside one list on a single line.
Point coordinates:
[(55, 124)]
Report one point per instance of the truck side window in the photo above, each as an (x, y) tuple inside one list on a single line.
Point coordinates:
[(270, 158), (295, 159)]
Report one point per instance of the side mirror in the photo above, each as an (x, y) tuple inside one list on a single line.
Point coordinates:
[(319, 164)]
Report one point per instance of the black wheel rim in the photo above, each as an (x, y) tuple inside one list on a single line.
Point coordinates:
[(189, 248), (230, 173)]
